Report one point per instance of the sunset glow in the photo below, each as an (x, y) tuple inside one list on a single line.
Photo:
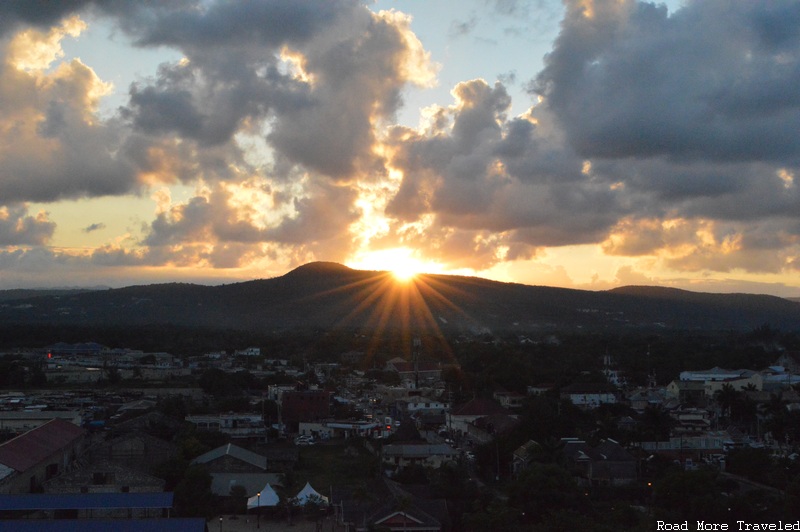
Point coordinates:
[(403, 136), (399, 261)]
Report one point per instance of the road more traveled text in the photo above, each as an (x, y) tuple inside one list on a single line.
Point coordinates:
[(740, 525)]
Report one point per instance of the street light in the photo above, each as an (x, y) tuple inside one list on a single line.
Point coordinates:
[(220, 523), (258, 511)]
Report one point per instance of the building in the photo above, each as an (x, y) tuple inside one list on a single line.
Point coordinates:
[(38, 455), (687, 392), (606, 464), (234, 425), (249, 352), (509, 399), (387, 505), (339, 429), (20, 421), (305, 405), (461, 416), (590, 395), (231, 465), (401, 455)]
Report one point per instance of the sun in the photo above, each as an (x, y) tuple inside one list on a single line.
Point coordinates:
[(399, 261), (405, 272)]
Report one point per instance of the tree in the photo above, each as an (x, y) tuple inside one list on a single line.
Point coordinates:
[(690, 495), (238, 499), (543, 489), (193, 497), (726, 397), (655, 424)]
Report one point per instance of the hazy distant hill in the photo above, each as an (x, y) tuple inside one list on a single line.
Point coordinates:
[(24, 293), (327, 295)]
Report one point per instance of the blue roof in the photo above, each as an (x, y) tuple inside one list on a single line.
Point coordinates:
[(85, 501), (104, 525)]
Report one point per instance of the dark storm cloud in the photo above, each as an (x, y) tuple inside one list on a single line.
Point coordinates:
[(489, 173), (196, 25), (39, 13), (354, 60), (711, 81)]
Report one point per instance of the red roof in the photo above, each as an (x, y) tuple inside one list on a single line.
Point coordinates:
[(35, 446)]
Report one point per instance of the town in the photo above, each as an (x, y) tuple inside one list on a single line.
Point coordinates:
[(477, 433)]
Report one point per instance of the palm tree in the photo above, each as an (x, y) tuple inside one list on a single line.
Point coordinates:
[(776, 412), (726, 397)]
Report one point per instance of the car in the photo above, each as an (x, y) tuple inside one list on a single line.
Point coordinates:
[(469, 455)]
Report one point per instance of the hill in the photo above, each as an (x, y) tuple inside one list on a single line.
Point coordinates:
[(323, 296)]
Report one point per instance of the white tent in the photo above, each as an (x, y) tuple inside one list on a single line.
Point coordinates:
[(309, 493), (268, 498)]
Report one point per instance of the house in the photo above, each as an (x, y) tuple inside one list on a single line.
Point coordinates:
[(714, 374), (19, 421), (459, 418), (606, 464), (386, 505), (231, 465), (305, 405), (691, 420), (789, 360), (234, 425), (137, 450), (401, 455), (687, 392), (590, 395), (487, 428), (39, 455), (415, 371), (509, 399), (338, 429), (417, 406), (521, 457), (746, 380), (643, 398), (105, 476), (692, 447)]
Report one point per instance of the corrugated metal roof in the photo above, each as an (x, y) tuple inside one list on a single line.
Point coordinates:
[(235, 451), (103, 525), (29, 449), (85, 501)]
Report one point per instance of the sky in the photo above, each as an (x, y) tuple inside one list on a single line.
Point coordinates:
[(585, 144)]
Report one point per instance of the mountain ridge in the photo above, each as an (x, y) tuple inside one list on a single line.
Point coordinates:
[(324, 295)]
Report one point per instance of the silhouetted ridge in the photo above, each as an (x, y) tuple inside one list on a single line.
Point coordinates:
[(327, 295), (319, 268)]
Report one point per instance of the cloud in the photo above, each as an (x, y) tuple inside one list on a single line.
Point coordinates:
[(712, 81), (321, 74), (649, 138), (38, 13), (648, 133), (460, 28), (94, 227), (52, 145), (485, 177), (18, 228)]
